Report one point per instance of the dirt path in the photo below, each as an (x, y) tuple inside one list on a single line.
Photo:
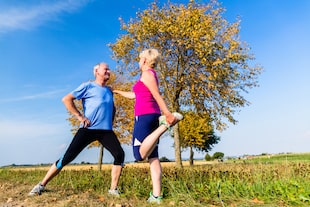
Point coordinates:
[(17, 196)]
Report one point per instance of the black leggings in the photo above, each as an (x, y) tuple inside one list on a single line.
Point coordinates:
[(84, 137)]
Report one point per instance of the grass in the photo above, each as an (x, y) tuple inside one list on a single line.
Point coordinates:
[(262, 181)]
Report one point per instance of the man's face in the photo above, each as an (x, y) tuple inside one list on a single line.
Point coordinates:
[(104, 71)]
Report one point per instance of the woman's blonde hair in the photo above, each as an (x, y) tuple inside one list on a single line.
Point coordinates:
[(152, 57)]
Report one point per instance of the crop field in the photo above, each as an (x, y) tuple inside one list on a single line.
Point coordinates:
[(278, 180)]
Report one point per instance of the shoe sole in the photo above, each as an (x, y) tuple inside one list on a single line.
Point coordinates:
[(178, 116)]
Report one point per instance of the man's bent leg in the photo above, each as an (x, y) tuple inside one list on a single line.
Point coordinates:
[(115, 175)]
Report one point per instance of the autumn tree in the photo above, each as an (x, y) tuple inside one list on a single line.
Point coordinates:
[(123, 121), (196, 132), (204, 66), (124, 117)]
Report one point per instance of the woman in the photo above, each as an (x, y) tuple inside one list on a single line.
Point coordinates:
[(148, 107)]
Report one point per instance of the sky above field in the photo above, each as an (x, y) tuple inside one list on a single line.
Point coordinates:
[(47, 48)]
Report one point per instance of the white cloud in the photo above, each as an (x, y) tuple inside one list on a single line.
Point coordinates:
[(13, 130), (48, 94), (27, 17)]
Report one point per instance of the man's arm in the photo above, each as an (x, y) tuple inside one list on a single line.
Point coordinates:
[(68, 102)]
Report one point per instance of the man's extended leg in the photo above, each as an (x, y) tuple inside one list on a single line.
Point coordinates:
[(39, 188), (78, 143), (52, 172)]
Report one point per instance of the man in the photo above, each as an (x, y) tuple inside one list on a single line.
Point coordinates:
[(96, 124)]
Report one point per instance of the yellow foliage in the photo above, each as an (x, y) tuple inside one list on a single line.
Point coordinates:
[(195, 130), (204, 64)]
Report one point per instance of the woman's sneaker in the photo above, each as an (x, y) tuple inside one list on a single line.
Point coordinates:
[(153, 199), (37, 190), (163, 121)]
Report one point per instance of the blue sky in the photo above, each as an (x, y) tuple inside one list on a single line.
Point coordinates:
[(47, 48)]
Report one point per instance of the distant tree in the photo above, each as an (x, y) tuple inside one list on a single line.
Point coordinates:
[(218, 155), (208, 157), (196, 132), (204, 67), (164, 159)]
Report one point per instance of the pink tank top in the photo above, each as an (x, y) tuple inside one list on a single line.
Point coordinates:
[(145, 102)]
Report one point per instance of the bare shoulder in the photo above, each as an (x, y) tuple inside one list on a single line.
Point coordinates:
[(147, 75)]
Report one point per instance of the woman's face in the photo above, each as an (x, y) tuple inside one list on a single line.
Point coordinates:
[(142, 62)]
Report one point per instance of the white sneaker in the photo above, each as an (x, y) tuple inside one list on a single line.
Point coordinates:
[(114, 192), (37, 190), (163, 121)]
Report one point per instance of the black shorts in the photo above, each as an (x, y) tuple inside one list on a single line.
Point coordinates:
[(144, 125)]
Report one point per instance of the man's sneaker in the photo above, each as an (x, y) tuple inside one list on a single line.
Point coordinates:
[(37, 190), (114, 192), (153, 199), (163, 121)]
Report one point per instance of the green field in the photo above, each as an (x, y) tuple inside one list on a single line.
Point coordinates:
[(278, 180)]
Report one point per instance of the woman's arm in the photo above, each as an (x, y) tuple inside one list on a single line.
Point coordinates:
[(126, 94), (149, 80)]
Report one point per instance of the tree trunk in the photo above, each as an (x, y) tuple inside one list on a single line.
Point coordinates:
[(177, 146), (191, 156), (100, 157)]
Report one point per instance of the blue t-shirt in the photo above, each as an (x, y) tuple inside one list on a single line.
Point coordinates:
[(97, 104)]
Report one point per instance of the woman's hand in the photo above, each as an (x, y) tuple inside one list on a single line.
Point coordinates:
[(171, 120)]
